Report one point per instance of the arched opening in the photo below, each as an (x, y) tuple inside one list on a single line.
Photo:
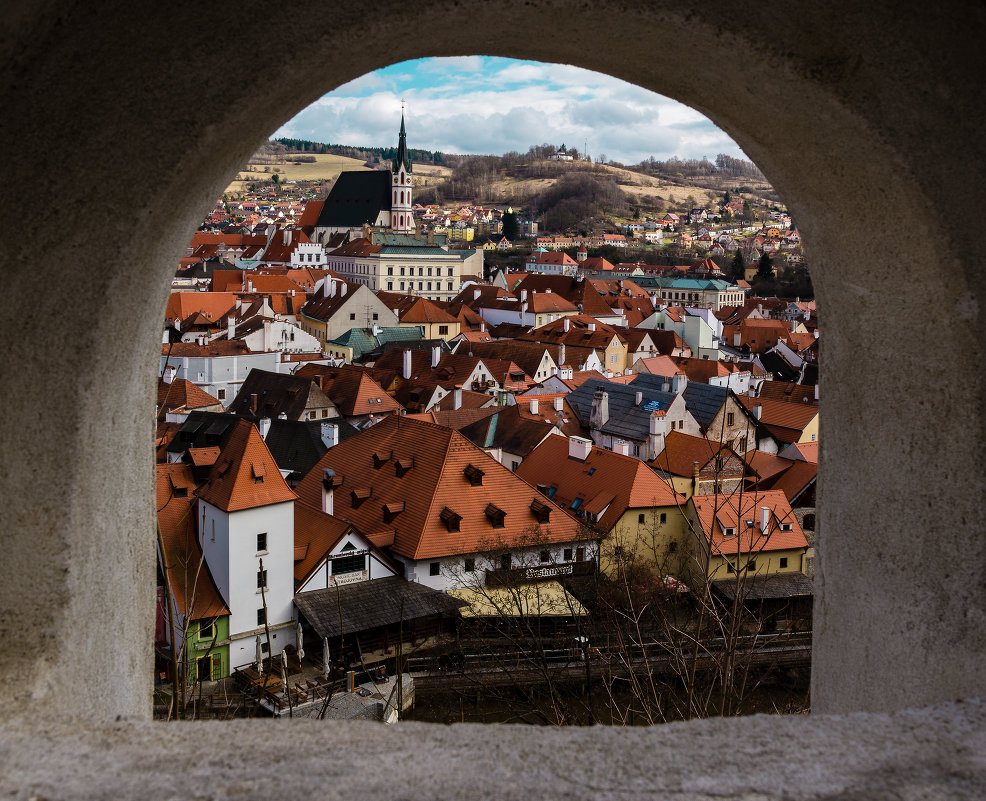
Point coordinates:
[(854, 148)]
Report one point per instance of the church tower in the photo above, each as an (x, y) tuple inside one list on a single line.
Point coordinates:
[(401, 217)]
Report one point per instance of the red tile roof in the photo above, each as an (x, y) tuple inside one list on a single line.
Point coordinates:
[(194, 591), (366, 465), (716, 513), (245, 475), (604, 480)]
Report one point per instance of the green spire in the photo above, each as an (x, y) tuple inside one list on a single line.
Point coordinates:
[(402, 155)]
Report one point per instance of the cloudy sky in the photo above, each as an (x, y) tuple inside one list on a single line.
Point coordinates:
[(478, 104)]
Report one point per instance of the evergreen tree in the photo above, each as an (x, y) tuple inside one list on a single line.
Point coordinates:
[(765, 268), (511, 228), (738, 267)]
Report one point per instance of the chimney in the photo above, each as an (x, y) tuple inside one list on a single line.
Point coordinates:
[(476, 293), (657, 430), (169, 374), (638, 398), (406, 366), (249, 285), (566, 324), (431, 237), (816, 393), (417, 233), (282, 416), (592, 326), (366, 231), (559, 404), (737, 339), (599, 414), (561, 351), (165, 337), (330, 434), (375, 330), (482, 326), (328, 490), (343, 288), (794, 325), (230, 327), (534, 405), (621, 447), (436, 355), (523, 296), (579, 448), (253, 403), (263, 424), (764, 520), (678, 383), (457, 397), (287, 236), (757, 410)]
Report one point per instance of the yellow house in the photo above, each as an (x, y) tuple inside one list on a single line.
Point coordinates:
[(753, 533), (787, 422), (641, 520)]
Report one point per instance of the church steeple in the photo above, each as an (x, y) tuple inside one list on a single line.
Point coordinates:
[(402, 155), (401, 215)]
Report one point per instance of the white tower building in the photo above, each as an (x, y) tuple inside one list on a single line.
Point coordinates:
[(401, 217)]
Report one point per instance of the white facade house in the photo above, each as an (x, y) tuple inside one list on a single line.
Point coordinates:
[(221, 376), (235, 545), (308, 254)]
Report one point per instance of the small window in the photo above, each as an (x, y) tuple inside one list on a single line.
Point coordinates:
[(262, 542), (505, 562), (664, 517), (641, 518), (618, 552), (580, 554), (207, 630), (435, 569), (376, 316), (443, 329), (672, 547), (783, 561), (786, 527), (729, 531), (325, 412), (352, 315), (221, 394), (729, 567), (261, 616), (751, 565), (261, 579), (469, 565), (544, 556), (729, 418), (567, 555)]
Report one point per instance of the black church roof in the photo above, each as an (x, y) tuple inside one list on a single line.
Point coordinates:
[(358, 197)]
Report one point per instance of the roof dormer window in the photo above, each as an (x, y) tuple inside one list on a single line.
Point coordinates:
[(450, 519), (360, 495), (474, 475), (541, 511), (495, 514)]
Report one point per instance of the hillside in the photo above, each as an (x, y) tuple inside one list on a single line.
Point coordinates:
[(561, 195)]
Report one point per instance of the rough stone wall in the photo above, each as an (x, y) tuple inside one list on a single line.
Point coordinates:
[(125, 127)]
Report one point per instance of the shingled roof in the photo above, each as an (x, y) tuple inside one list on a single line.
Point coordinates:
[(627, 418), (433, 476), (357, 197), (245, 475), (371, 604)]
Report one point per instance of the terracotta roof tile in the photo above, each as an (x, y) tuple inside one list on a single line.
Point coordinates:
[(245, 476), (436, 480), (717, 513)]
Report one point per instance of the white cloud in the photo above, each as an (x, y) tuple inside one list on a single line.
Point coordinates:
[(479, 105)]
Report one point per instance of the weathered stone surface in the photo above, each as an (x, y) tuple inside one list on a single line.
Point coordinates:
[(124, 127), (935, 753)]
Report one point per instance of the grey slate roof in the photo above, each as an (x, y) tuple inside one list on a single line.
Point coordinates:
[(202, 429), (626, 419), (704, 401), (358, 197), (371, 604), (297, 445), (761, 588)]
